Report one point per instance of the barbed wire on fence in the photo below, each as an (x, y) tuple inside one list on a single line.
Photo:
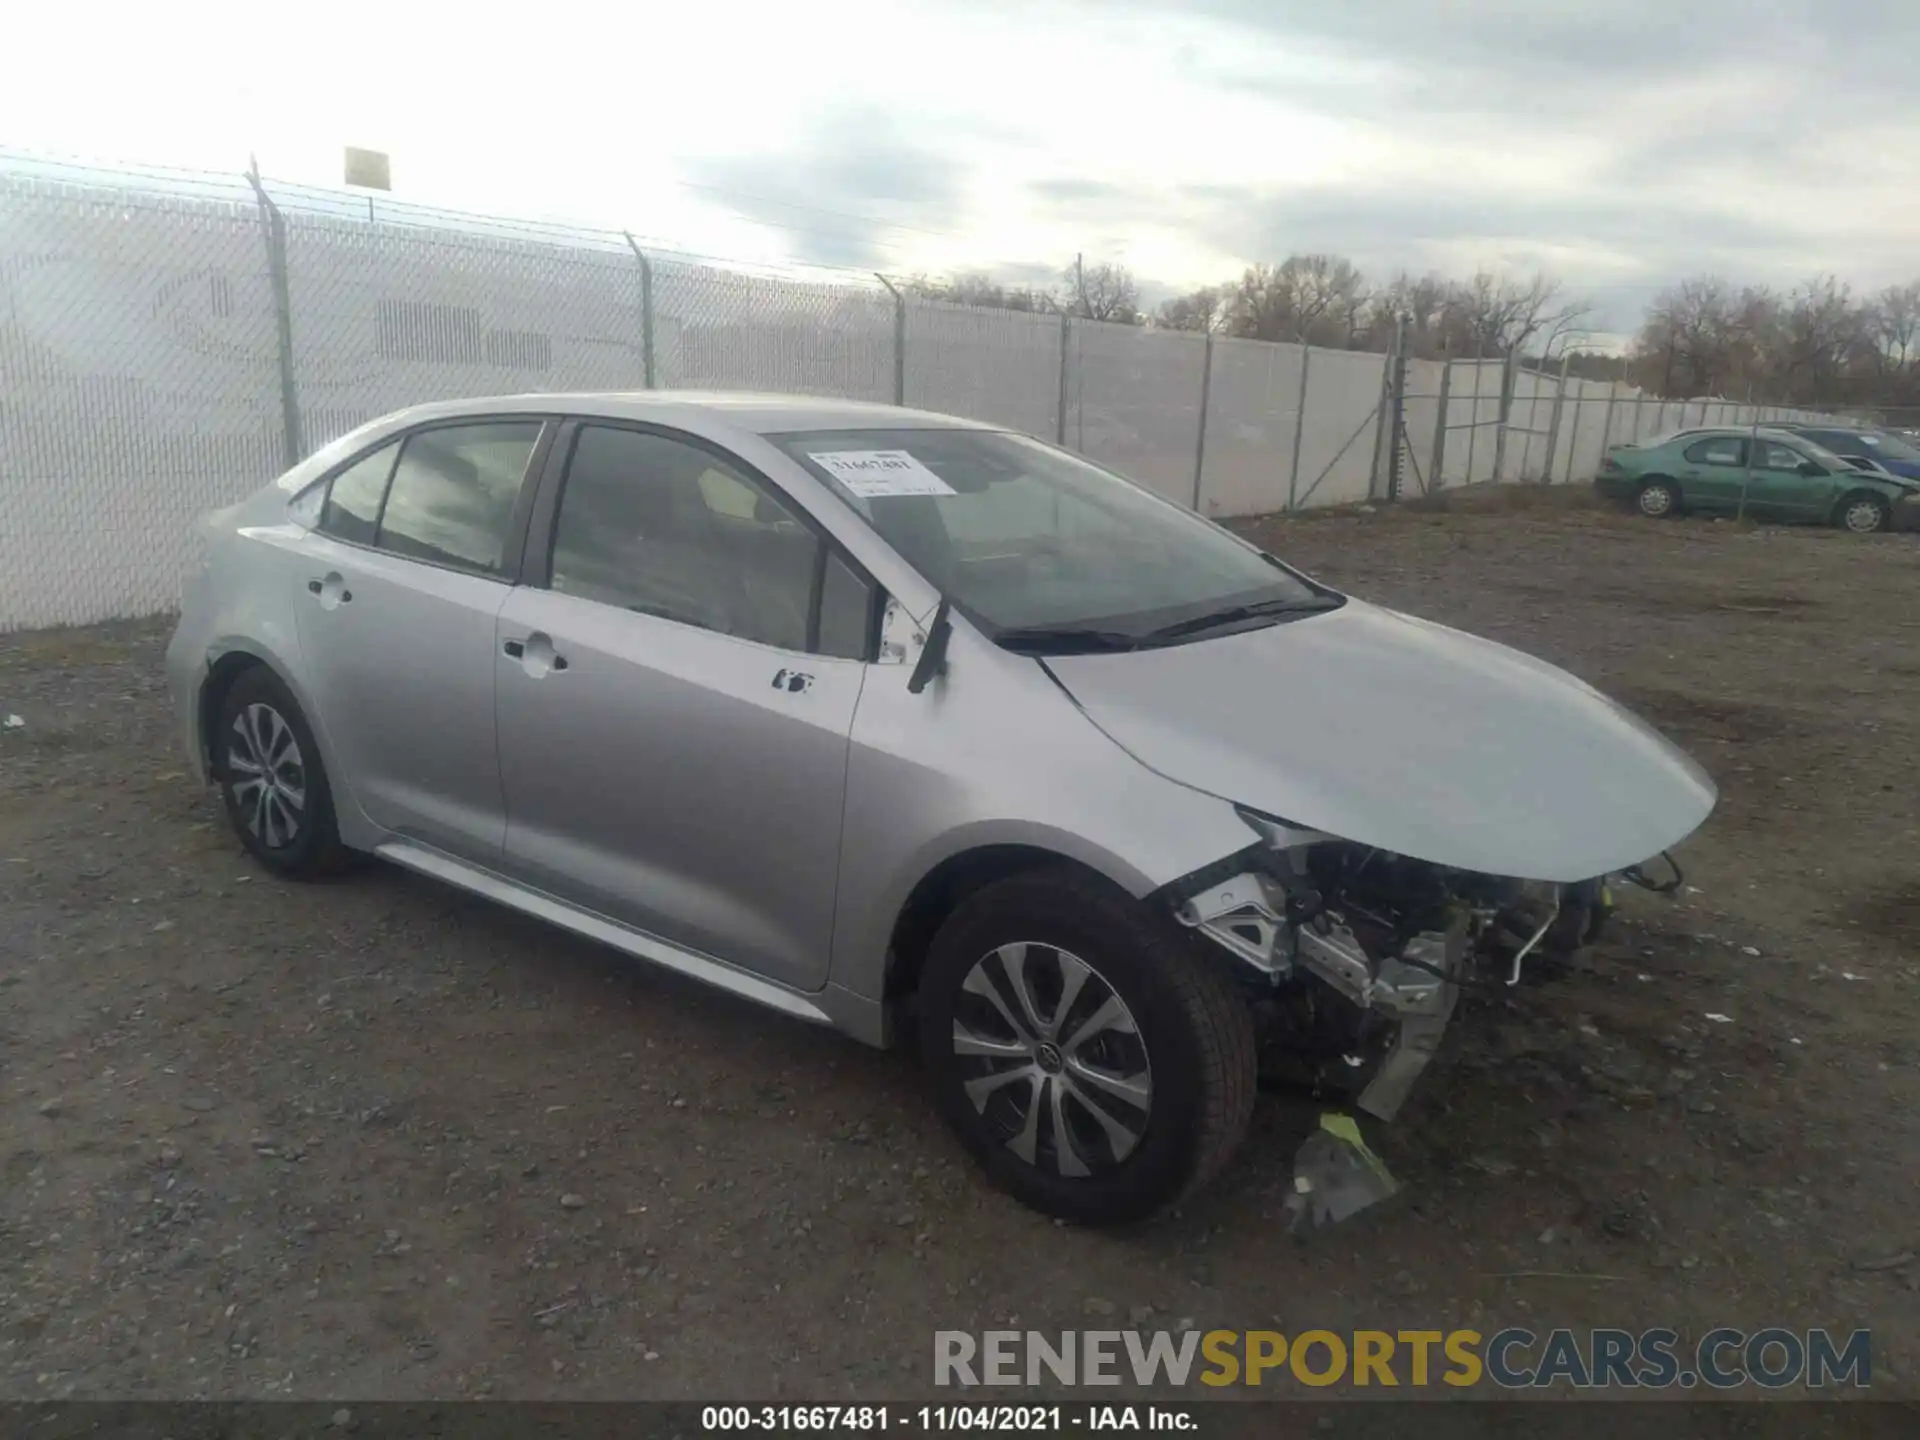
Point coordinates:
[(170, 340)]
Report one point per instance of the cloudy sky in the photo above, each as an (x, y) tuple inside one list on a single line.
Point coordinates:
[(1617, 143)]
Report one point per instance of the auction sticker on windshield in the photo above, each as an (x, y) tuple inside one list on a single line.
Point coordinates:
[(870, 474)]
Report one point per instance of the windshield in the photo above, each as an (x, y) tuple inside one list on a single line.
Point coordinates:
[(1880, 444), (1885, 445), (1814, 450), (1021, 537)]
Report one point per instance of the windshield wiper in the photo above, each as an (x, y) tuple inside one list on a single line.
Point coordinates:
[(1256, 610), (1063, 640)]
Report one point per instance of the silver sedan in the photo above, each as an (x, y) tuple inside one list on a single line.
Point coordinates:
[(913, 726)]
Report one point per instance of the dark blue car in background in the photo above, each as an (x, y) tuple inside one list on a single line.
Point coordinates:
[(1865, 442)]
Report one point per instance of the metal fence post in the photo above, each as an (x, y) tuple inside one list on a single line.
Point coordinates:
[(1503, 414), (1397, 424), (1060, 431), (1439, 479), (646, 312), (1553, 420), (1473, 425), (273, 230), (899, 340), (1606, 426), (1200, 443), (1573, 438), (1380, 425), (1299, 425)]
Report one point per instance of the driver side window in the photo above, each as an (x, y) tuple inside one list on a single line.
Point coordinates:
[(660, 526), (1721, 450), (1775, 456)]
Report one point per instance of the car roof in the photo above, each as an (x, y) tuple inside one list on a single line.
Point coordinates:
[(1695, 432), (1841, 427), (760, 414)]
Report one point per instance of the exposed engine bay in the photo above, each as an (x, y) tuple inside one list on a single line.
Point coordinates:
[(1359, 956)]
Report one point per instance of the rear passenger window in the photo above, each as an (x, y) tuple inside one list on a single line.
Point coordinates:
[(352, 508), (1717, 452), (454, 491), (663, 527), (1779, 457)]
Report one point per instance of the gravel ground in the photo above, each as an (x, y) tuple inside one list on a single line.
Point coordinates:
[(374, 1139)]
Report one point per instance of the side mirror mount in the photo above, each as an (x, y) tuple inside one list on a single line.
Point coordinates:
[(1811, 468), (933, 654)]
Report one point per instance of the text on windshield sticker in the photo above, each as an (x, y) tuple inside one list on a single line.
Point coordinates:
[(870, 474)]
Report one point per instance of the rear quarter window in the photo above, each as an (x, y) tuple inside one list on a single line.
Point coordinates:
[(351, 510)]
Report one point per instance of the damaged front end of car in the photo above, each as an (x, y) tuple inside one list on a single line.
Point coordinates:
[(1357, 957)]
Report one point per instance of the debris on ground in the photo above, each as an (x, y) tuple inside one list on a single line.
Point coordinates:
[(1891, 1261), (1335, 1176)]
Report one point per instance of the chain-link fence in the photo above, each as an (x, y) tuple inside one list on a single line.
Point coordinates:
[(167, 345)]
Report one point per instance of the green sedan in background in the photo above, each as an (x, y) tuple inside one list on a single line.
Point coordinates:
[(1781, 476)]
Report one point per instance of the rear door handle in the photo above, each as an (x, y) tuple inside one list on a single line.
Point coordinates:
[(535, 654)]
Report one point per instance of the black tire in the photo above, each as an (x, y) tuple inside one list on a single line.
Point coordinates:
[(1658, 498), (1194, 1026), (291, 830), (1849, 512)]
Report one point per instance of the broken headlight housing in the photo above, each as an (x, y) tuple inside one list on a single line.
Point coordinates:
[(1366, 952)]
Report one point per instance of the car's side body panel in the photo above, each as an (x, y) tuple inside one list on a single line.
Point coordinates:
[(402, 677), (995, 753), (664, 779)]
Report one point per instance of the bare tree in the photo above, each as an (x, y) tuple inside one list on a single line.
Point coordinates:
[(1317, 299), (1495, 315), (1423, 300), (976, 287), (1894, 316), (1105, 291), (1819, 329), (1204, 310), (1699, 330)]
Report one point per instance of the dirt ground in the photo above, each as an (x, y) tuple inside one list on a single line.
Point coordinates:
[(373, 1139)]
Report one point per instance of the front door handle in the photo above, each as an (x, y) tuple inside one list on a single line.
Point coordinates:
[(535, 654), (332, 590)]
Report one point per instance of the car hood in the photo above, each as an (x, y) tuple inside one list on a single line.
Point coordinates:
[(1405, 735)]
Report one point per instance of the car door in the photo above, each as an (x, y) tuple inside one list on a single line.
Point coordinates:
[(1781, 488), (676, 689), (1712, 471), (409, 564)]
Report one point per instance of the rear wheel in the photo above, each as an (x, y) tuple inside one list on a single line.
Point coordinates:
[(1094, 1063), (1657, 499), (1863, 513), (272, 781)]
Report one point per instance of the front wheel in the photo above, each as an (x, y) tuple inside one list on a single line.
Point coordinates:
[(1097, 1064), (1863, 513)]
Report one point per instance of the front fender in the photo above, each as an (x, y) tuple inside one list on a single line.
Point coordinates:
[(996, 754)]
